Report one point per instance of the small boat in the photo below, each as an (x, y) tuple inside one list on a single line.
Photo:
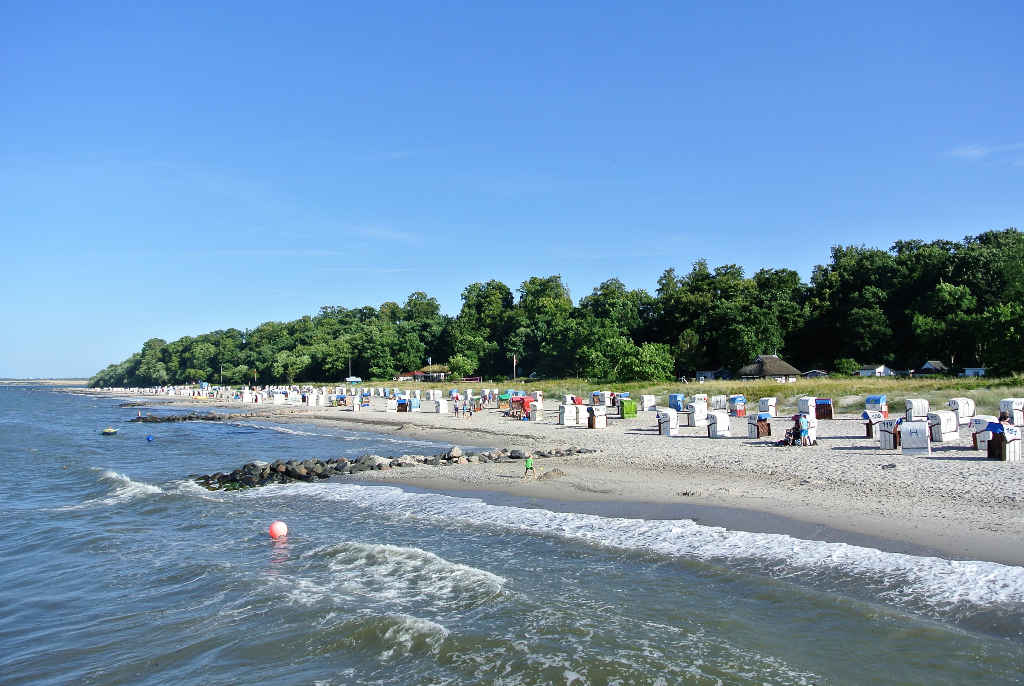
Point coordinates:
[(109, 431)]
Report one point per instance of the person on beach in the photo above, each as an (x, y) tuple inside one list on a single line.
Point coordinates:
[(529, 466), (804, 427)]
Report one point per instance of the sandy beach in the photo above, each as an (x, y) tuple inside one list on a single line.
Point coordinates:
[(955, 503)]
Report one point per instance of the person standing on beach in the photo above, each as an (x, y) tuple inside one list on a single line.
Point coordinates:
[(804, 427), (529, 466)]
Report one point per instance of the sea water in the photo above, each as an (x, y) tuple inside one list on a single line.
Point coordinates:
[(116, 569)]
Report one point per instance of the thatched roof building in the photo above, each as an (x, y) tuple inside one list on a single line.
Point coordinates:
[(434, 372), (769, 367)]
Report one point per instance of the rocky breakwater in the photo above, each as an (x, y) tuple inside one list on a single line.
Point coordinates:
[(190, 417), (256, 473)]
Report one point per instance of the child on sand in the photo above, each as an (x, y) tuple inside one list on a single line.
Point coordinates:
[(529, 466)]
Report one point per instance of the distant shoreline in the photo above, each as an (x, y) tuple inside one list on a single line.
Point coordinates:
[(82, 383)]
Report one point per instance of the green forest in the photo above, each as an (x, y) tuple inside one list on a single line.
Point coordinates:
[(960, 302)]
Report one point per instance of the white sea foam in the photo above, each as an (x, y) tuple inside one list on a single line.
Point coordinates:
[(389, 576), (280, 429), (125, 489), (937, 583), (405, 633), (342, 436)]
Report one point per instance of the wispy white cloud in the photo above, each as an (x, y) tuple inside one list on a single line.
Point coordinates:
[(976, 151)]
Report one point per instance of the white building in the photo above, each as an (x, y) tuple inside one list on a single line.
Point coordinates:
[(877, 370)]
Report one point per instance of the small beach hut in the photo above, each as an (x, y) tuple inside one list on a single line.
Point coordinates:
[(877, 403), (917, 410), (676, 401), (932, 367), (647, 402), (889, 433), (978, 425), (915, 437), (718, 424), (627, 408), (871, 419), (391, 405), (719, 402), (963, 408), (737, 406), (943, 426), (441, 406), (758, 425), (1012, 445), (696, 414), (806, 405), (702, 397), (769, 367), (668, 422), (597, 418), (1002, 442), (823, 408), (767, 406), (567, 415), (1013, 408)]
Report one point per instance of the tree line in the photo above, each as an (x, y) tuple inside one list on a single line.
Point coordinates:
[(960, 302)]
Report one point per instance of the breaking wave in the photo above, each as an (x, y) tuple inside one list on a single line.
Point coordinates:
[(935, 585)]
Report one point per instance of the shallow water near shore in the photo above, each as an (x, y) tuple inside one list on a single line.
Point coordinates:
[(116, 569)]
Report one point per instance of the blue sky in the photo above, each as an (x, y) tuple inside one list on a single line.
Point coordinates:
[(165, 171)]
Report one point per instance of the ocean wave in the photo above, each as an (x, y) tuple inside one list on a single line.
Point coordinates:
[(124, 489), (388, 576), (281, 429), (406, 634), (394, 635), (940, 586), (340, 435)]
